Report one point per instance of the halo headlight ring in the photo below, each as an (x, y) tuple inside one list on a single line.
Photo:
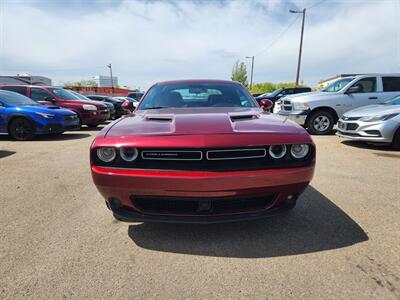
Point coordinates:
[(128, 153), (277, 151)]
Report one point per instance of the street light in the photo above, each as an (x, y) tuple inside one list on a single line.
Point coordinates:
[(112, 81), (301, 41), (252, 68)]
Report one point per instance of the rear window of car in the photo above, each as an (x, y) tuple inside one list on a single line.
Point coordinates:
[(17, 89), (391, 84)]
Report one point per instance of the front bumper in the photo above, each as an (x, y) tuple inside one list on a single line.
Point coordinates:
[(58, 127), (379, 132), (297, 117), (125, 184), (94, 117)]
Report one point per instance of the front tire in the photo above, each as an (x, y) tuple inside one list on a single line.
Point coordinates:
[(21, 129), (320, 122), (396, 140)]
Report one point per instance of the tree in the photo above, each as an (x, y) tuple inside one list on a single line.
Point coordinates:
[(267, 87), (81, 83), (239, 73)]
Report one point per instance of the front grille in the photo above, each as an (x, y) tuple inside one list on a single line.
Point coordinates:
[(218, 160), (201, 206), (351, 118), (352, 126)]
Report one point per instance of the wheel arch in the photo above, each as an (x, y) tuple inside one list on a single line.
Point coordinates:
[(323, 108), (12, 117)]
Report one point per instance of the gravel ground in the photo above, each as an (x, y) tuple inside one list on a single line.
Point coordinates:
[(58, 240)]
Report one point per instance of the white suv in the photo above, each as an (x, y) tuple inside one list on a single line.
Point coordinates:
[(319, 111)]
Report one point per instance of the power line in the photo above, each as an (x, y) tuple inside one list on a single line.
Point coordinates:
[(316, 4), (279, 36)]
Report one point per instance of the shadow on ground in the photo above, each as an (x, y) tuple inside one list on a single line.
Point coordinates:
[(316, 224), (364, 145), (5, 153), (49, 137)]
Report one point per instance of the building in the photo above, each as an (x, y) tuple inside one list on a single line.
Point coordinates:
[(105, 81), (325, 82), (25, 79)]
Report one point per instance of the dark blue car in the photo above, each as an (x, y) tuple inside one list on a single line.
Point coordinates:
[(23, 118)]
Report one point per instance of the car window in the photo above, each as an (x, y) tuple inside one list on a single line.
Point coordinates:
[(366, 85), (337, 85), (18, 89), (391, 84), (289, 92), (16, 98), (39, 94), (183, 95)]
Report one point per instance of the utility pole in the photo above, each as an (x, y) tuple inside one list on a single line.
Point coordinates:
[(252, 69), (111, 77), (301, 42)]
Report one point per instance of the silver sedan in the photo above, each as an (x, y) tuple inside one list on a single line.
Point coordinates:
[(373, 123)]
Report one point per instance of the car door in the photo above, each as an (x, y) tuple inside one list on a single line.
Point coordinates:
[(41, 96), (390, 87), (365, 95)]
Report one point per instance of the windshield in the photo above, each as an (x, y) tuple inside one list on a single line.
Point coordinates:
[(79, 96), (63, 94), (337, 85), (393, 101), (183, 95), (276, 92), (16, 99)]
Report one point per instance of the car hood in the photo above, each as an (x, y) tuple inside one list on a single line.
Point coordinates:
[(98, 104), (204, 121), (373, 110), (312, 96), (54, 110)]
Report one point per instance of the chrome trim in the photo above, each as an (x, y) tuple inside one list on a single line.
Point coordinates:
[(168, 151), (230, 150)]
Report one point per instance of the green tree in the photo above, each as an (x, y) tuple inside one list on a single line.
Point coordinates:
[(81, 83), (267, 87), (239, 73)]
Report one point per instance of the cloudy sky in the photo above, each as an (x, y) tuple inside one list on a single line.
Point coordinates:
[(149, 41)]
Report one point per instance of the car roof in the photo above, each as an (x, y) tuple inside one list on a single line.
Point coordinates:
[(196, 81)]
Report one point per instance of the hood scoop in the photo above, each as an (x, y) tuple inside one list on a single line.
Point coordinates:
[(246, 117), (159, 118)]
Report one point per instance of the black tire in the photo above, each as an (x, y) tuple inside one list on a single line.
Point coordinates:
[(396, 140), (21, 129), (320, 122)]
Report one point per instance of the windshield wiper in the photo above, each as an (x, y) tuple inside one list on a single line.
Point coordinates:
[(157, 107)]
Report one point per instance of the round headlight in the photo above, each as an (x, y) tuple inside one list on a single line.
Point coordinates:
[(299, 150), (128, 154), (277, 151), (106, 154)]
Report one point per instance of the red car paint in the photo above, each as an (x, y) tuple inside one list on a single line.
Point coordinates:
[(76, 105), (200, 129)]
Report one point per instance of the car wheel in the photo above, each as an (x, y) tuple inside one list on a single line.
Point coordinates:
[(320, 122), (21, 129), (396, 140)]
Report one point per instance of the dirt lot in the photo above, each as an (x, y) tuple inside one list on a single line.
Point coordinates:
[(58, 240)]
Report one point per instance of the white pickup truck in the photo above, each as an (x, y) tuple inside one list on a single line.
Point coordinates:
[(319, 111)]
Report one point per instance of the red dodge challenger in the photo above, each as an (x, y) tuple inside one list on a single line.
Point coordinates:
[(200, 151)]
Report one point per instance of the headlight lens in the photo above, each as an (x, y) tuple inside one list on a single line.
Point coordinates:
[(277, 151), (44, 115), (106, 154), (299, 151), (128, 153), (300, 105), (89, 107), (378, 118)]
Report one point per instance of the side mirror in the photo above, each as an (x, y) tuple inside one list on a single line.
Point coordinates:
[(128, 106), (353, 89), (266, 104), (49, 99)]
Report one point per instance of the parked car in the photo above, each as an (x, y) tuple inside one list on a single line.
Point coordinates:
[(378, 123), (119, 110), (90, 113), (110, 106), (135, 95), (320, 111), (23, 118), (279, 93), (201, 151), (134, 101)]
